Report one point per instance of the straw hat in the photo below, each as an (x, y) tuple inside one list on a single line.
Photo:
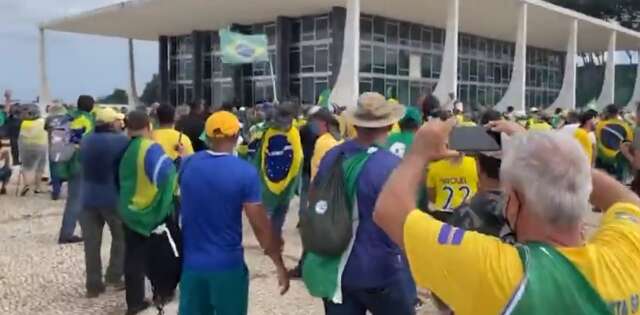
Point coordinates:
[(374, 111)]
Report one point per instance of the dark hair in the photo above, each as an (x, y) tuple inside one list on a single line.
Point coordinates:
[(490, 166), (558, 111), (85, 103), (409, 124), (430, 104), (137, 120), (611, 110), (489, 115), (586, 116), (195, 106), (166, 114), (510, 109)]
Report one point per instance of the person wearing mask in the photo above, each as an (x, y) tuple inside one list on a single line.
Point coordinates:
[(555, 270), (33, 149), (373, 277), (215, 188), (82, 125), (147, 182), (192, 125), (100, 153), (171, 140), (327, 127)]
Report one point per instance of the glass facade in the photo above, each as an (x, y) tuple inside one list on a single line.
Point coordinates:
[(398, 59), (309, 57)]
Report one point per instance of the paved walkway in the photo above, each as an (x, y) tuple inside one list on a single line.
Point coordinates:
[(37, 276)]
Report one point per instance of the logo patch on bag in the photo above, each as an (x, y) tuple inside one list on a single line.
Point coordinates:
[(321, 207)]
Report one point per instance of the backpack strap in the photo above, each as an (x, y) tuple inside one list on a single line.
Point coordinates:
[(352, 167), (552, 284)]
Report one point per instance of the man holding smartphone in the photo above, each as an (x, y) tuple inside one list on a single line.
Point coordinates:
[(174, 143)]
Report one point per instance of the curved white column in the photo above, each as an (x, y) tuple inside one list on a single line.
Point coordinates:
[(635, 98), (516, 92), (347, 88), (44, 94), (567, 96), (607, 96), (133, 91), (448, 81)]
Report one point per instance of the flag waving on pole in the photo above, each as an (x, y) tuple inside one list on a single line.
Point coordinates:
[(240, 48)]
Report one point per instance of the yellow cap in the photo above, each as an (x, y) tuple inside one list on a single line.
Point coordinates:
[(107, 115), (222, 124)]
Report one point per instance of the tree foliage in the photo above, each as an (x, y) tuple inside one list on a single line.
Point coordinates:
[(151, 93), (118, 96), (625, 12)]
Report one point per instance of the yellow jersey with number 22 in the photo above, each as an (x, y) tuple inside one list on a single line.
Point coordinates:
[(454, 181)]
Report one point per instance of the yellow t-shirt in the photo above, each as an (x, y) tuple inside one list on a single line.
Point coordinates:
[(324, 143), (168, 140), (32, 132), (453, 182), (585, 142), (478, 274)]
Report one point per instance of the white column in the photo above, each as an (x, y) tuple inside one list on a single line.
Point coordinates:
[(133, 91), (607, 96), (44, 94), (448, 81), (346, 88), (635, 98), (515, 95), (567, 97)]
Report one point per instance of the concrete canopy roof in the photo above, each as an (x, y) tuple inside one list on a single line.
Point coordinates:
[(148, 19)]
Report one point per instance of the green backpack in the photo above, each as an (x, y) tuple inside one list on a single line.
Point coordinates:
[(326, 225)]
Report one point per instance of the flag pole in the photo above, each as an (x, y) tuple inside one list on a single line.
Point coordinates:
[(273, 82)]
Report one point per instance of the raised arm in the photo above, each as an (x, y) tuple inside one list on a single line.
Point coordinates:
[(399, 195), (607, 191)]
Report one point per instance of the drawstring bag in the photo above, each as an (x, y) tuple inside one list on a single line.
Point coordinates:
[(164, 260)]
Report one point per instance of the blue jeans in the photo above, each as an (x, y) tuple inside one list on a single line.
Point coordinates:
[(72, 207), (392, 299)]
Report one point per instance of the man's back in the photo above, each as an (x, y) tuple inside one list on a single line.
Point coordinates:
[(169, 139), (453, 182), (214, 187), (443, 256), (192, 125), (99, 156), (375, 260)]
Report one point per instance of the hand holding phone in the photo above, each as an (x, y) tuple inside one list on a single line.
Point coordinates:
[(474, 139)]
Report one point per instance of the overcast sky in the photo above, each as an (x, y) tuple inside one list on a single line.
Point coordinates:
[(77, 64)]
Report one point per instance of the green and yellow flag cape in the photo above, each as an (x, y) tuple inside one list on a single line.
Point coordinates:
[(143, 205)]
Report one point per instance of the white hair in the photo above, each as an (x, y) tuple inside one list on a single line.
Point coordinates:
[(550, 170)]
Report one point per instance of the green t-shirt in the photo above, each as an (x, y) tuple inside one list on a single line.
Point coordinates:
[(400, 142)]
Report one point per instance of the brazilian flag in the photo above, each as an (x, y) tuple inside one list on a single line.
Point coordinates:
[(323, 99), (240, 48), (143, 204), (279, 160), (611, 133)]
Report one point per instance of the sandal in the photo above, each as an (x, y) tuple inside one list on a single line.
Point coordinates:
[(24, 191)]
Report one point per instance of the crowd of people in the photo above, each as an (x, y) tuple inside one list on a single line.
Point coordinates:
[(386, 207)]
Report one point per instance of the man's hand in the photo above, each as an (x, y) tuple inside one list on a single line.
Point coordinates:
[(283, 279), (431, 141), (504, 126)]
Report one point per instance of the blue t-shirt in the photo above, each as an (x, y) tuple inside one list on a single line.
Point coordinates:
[(214, 189), (375, 259), (100, 154)]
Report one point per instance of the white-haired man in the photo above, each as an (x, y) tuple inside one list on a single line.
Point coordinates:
[(548, 183)]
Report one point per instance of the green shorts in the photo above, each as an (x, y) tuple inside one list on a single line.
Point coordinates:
[(220, 293)]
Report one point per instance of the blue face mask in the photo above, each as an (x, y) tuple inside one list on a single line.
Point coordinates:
[(315, 129)]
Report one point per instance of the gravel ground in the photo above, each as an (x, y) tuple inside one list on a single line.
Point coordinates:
[(38, 276)]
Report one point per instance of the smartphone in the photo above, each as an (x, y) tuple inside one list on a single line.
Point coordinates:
[(177, 148), (474, 139)]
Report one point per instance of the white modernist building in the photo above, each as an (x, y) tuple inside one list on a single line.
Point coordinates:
[(490, 52)]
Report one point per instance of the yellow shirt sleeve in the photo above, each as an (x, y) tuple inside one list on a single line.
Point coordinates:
[(470, 272), (186, 142), (323, 145)]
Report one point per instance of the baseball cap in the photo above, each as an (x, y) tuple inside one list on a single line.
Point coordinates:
[(412, 114), (222, 124), (107, 115)]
